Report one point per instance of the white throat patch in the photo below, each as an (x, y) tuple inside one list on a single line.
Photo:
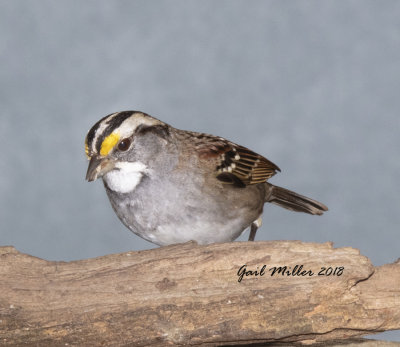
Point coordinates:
[(125, 177)]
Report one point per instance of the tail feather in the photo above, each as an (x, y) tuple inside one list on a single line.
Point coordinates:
[(295, 202)]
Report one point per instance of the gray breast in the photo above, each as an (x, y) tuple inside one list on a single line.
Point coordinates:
[(174, 209)]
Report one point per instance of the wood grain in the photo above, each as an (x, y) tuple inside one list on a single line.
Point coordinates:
[(190, 294)]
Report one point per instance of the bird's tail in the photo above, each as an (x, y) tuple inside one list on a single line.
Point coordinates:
[(293, 201)]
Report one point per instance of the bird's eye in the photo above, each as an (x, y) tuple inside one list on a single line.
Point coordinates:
[(124, 145)]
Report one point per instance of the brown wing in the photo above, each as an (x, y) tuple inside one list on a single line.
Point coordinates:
[(236, 164), (246, 165)]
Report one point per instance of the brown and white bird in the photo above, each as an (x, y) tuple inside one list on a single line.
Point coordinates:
[(171, 186)]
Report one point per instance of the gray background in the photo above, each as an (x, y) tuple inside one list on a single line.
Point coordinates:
[(313, 86)]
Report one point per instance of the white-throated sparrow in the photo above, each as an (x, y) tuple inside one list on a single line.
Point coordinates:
[(171, 186)]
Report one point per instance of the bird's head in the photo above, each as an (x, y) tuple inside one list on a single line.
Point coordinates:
[(124, 142)]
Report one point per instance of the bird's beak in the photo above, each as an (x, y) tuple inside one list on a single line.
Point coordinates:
[(98, 166)]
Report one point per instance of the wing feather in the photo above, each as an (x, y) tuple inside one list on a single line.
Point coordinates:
[(235, 164)]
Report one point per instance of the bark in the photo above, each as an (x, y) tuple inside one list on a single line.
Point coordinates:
[(190, 294)]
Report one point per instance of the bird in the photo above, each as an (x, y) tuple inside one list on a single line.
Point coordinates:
[(172, 186)]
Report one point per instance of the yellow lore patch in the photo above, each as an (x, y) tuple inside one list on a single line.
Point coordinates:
[(86, 149), (108, 144)]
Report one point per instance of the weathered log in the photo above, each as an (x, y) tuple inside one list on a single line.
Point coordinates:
[(191, 294)]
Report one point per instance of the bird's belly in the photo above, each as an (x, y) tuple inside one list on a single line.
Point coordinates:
[(174, 215), (162, 226), (201, 231)]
